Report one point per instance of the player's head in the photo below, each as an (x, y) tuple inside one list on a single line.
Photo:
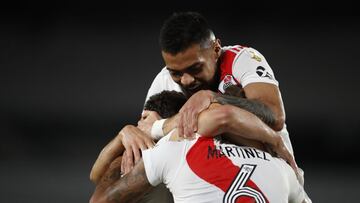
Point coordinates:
[(166, 103), (190, 51)]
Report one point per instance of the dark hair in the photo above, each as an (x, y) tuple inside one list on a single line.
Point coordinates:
[(235, 91), (166, 103), (182, 30)]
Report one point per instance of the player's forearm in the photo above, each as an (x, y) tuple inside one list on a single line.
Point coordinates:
[(106, 156), (112, 174), (129, 188), (237, 123), (269, 95), (257, 108), (245, 124)]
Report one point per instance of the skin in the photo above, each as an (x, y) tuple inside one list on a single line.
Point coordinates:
[(130, 188), (269, 95), (195, 69), (216, 120), (127, 143)]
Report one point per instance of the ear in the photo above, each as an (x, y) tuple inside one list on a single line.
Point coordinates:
[(217, 48)]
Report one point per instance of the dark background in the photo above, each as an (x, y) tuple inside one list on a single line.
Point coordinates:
[(72, 74)]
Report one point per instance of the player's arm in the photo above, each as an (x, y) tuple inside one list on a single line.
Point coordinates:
[(131, 139), (207, 97), (259, 83), (258, 108), (269, 95), (112, 150), (239, 123), (129, 188)]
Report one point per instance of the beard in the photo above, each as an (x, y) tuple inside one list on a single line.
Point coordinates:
[(199, 85), (190, 90), (202, 85)]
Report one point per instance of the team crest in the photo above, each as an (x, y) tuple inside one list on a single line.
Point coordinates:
[(255, 57), (226, 82)]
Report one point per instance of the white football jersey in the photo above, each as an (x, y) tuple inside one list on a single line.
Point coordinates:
[(205, 170), (238, 66)]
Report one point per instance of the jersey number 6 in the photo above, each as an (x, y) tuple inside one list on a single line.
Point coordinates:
[(238, 189)]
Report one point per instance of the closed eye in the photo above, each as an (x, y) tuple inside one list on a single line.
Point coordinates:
[(193, 70), (176, 73)]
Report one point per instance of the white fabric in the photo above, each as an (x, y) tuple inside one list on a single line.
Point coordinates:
[(157, 129), (244, 69), (167, 163), (162, 81)]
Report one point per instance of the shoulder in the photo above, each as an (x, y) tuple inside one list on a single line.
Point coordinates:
[(229, 54), (162, 81), (163, 73), (234, 52)]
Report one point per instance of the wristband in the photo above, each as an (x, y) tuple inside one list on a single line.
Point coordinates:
[(156, 129)]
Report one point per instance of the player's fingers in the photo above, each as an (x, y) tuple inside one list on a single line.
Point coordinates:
[(142, 146), (181, 125), (137, 155), (194, 123), (150, 144), (127, 146), (291, 161), (123, 163), (129, 161), (126, 162), (295, 166), (194, 117), (189, 131)]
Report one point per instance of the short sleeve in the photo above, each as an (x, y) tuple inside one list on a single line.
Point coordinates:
[(160, 162), (162, 81), (250, 66), (153, 167)]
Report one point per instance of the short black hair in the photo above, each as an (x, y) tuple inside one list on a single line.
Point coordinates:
[(181, 30), (166, 103)]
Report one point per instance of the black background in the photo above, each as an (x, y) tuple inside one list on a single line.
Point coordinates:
[(73, 73)]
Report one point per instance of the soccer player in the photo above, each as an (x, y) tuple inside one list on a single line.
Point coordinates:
[(206, 170), (198, 66)]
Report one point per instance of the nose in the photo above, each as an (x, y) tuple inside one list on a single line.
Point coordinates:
[(187, 79)]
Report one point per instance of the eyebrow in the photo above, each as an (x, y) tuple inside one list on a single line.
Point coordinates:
[(191, 66)]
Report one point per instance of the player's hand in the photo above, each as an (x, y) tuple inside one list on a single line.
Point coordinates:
[(147, 120), (134, 140), (188, 114), (282, 151)]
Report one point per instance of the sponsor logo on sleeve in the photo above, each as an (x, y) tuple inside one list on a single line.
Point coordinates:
[(263, 73)]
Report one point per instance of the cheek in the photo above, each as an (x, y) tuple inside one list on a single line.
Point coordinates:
[(204, 76), (209, 73)]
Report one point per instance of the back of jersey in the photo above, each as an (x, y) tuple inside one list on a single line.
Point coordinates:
[(204, 170)]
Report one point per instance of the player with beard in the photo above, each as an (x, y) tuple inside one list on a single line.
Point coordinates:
[(198, 66)]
